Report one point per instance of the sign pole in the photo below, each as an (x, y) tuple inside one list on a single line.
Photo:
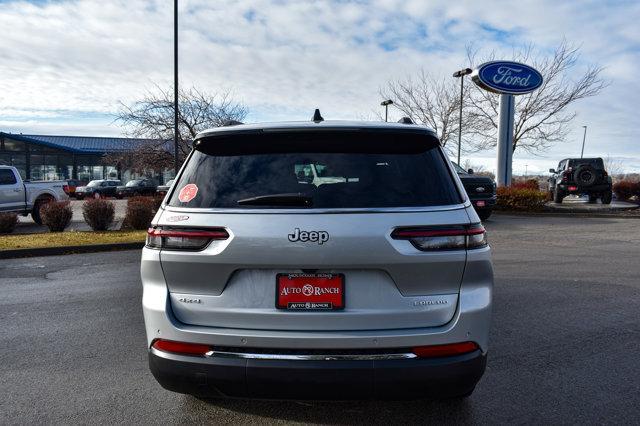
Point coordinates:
[(176, 136), (505, 139)]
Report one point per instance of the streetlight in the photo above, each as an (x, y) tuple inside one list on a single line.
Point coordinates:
[(175, 87), (461, 74), (584, 137), (526, 169), (386, 104)]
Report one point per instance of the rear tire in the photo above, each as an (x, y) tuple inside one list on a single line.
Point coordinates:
[(35, 213), (484, 214), (462, 396), (606, 197), (558, 195)]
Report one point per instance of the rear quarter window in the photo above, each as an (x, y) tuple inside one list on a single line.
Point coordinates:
[(360, 169)]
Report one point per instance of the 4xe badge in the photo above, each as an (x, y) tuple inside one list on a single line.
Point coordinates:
[(319, 237)]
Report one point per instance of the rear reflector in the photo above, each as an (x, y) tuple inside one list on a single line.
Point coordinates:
[(573, 188), (443, 238), (183, 238), (181, 347), (452, 349)]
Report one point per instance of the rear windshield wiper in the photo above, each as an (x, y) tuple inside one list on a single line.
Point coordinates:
[(289, 200)]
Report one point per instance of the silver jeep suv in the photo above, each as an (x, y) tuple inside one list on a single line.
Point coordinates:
[(317, 260)]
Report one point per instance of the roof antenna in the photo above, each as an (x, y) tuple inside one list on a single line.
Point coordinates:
[(317, 118)]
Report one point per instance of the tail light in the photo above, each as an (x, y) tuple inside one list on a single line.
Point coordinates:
[(443, 238), (65, 188), (451, 349), (181, 347), (183, 238)]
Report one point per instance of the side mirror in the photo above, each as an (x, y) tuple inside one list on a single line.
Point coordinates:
[(552, 171), (470, 171)]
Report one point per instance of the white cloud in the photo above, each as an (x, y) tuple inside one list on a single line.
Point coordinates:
[(284, 58)]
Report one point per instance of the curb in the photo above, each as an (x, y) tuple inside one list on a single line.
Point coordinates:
[(567, 214), (56, 251)]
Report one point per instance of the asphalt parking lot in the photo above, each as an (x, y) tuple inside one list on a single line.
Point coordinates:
[(565, 340)]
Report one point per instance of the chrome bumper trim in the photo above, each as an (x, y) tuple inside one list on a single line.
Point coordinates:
[(310, 357)]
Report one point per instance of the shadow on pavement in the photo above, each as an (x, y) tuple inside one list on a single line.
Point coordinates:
[(344, 412)]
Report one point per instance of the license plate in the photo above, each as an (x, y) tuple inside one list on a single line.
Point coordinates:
[(480, 203), (308, 292)]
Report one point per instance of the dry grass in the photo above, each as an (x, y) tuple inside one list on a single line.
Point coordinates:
[(72, 238)]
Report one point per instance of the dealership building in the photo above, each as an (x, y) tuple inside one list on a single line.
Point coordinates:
[(40, 157)]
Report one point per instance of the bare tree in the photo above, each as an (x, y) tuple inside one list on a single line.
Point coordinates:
[(614, 166), (152, 118), (542, 117), (477, 168), (428, 100)]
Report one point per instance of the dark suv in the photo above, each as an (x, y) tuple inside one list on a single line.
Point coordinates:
[(580, 176), (480, 189), (136, 187)]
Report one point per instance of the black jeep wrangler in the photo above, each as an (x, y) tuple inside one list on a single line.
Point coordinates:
[(580, 176), (480, 189)]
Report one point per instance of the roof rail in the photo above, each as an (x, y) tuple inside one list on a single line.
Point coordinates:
[(317, 118), (406, 120), (231, 123)]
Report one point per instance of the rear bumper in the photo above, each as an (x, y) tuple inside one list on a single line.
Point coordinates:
[(581, 190), (481, 203), (334, 379)]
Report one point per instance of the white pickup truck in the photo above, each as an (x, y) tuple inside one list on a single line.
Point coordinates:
[(26, 197)]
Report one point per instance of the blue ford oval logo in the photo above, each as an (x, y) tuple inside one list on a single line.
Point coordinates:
[(507, 77)]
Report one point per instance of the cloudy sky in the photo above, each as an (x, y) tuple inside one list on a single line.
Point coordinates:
[(65, 65)]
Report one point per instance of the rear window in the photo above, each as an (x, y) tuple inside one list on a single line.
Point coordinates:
[(593, 162), (359, 169)]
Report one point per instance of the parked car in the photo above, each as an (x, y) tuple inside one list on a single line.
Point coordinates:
[(580, 176), (136, 187), (25, 197), (377, 285), (72, 184), (163, 189), (98, 189), (481, 191)]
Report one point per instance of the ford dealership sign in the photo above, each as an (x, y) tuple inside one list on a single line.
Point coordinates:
[(507, 77)]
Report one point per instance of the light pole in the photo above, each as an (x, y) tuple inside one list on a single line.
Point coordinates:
[(461, 74), (175, 87), (584, 137), (386, 104), (526, 169)]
